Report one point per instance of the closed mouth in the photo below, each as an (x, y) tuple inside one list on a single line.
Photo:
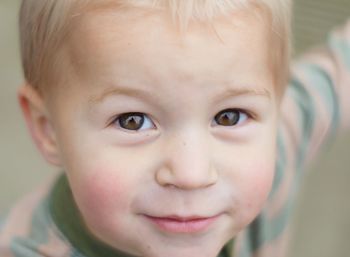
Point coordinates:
[(181, 224)]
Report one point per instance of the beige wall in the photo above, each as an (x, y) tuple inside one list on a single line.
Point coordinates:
[(21, 166), (322, 224)]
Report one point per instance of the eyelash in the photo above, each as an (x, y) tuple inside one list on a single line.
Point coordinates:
[(145, 119)]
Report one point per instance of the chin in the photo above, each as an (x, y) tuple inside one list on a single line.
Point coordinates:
[(192, 251)]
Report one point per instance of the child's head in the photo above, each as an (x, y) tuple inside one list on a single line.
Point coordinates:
[(167, 135), (46, 24)]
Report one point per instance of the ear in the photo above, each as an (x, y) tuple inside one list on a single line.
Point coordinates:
[(39, 124)]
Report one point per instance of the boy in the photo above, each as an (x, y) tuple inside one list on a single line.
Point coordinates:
[(172, 124)]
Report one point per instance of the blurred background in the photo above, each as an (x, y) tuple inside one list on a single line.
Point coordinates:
[(322, 218)]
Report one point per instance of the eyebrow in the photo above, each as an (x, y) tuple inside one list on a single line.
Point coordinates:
[(133, 92), (244, 91), (142, 94)]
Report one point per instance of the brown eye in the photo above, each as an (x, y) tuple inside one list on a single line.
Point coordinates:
[(131, 121), (229, 117)]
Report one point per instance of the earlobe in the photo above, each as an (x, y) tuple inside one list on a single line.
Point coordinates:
[(39, 124)]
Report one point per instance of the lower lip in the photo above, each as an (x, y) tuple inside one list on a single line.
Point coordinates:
[(183, 226)]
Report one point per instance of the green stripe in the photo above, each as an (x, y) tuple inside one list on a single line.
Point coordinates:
[(263, 231), (307, 110), (323, 82), (24, 249), (279, 168)]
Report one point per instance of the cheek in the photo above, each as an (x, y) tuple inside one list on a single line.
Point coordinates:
[(104, 189), (259, 173), (254, 189), (259, 185), (101, 196)]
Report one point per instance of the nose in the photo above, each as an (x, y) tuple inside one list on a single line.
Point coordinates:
[(188, 163)]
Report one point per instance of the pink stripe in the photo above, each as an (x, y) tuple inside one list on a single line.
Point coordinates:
[(18, 223), (55, 247)]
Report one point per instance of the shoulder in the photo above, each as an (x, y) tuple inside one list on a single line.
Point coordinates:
[(27, 229)]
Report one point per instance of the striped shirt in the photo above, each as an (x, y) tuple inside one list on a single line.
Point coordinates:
[(315, 107)]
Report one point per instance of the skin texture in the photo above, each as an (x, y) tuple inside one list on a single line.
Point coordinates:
[(181, 162)]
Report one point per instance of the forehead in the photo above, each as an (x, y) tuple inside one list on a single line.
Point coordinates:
[(111, 41)]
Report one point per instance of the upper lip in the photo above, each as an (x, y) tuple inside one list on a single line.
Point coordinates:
[(181, 218)]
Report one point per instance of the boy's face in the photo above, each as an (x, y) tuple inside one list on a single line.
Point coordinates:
[(193, 161)]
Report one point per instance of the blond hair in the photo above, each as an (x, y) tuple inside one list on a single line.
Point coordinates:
[(44, 25)]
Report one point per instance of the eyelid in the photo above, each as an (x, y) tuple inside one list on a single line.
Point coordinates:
[(249, 113)]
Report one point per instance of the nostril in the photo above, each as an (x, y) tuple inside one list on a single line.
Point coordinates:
[(163, 176)]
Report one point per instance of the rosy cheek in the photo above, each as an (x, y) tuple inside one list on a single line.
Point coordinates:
[(261, 184), (101, 196), (256, 189)]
